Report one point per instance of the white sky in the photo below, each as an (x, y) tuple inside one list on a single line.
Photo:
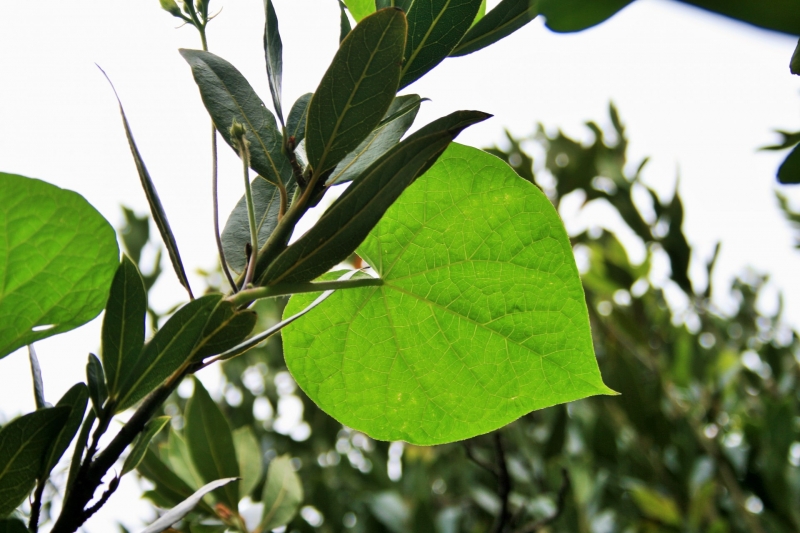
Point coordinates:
[(698, 93)]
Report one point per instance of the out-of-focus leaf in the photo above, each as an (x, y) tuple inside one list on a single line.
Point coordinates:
[(36, 375), (226, 328), (577, 15), (504, 19), (58, 255), (391, 510), (76, 399), (185, 507), (296, 123), (283, 494), (12, 525), (675, 244), (778, 15), (142, 442), (789, 171), (360, 8), (789, 140), (96, 381), (170, 488), (248, 453), (134, 234), (344, 22), (655, 505), (794, 64), (176, 454), (273, 53)]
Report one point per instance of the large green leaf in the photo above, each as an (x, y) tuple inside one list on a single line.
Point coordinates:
[(168, 350), (348, 221), (57, 259), (577, 15), (123, 324), (360, 8), (434, 29), (480, 320), (283, 494), (357, 88), (210, 442), (248, 453), (503, 20), (228, 96), (75, 399), (23, 445)]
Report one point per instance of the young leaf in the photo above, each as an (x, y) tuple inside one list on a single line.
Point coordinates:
[(47, 234), (185, 507), (504, 19), (142, 442), (123, 324), (76, 399), (789, 171), (248, 453), (211, 443), (481, 318), (344, 22), (156, 209), (12, 525), (226, 328), (398, 119), (577, 15), (296, 123), (434, 29), (348, 221), (23, 444), (167, 351), (228, 96), (283, 494), (357, 89), (36, 374), (273, 53), (98, 391), (360, 8)]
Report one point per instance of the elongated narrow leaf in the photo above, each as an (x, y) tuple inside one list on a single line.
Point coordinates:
[(344, 22), (80, 447), (348, 221), (185, 507), (360, 8), (98, 391), (123, 324), (248, 453), (156, 209), (226, 328), (577, 15), (504, 19), (23, 445), (435, 27), (296, 123), (228, 96), (36, 375), (176, 454), (211, 443), (170, 488), (142, 442), (357, 89), (273, 53), (12, 525), (283, 494), (789, 171), (481, 318), (168, 350), (76, 399), (398, 119), (48, 234)]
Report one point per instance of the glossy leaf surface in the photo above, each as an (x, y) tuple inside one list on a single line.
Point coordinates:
[(357, 88), (504, 19), (75, 399), (142, 442), (273, 54), (481, 318), (58, 256), (248, 453), (283, 494)]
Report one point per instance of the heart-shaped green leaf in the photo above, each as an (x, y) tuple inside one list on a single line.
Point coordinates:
[(504, 19), (57, 259), (480, 320)]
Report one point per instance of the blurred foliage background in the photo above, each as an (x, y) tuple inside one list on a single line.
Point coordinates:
[(705, 435)]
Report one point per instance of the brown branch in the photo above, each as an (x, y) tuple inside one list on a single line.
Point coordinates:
[(561, 500), (503, 484)]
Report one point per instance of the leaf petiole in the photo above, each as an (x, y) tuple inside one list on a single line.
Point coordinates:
[(250, 295)]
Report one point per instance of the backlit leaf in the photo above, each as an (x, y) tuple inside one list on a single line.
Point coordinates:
[(504, 19), (778, 15), (283, 494), (248, 453), (169, 487), (344, 22), (360, 8)]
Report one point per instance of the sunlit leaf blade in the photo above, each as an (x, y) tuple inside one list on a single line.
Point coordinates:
[(142, 442), (12, 525), (57, 257), (481, 318), (360, 8), (283, 494), (357, 88), (210, 442), (401, 115), (226, 328), (23, 444), (504, 19), (348, 221), (248, 453), (481, 12), (36, 375), (577, 15), (228, 96), (123, 324), (344, 22), (789, 171), (168, 350), (296, 123), (185, 507), (156, 209), (273, 53), (96, 381), (778, 15), (435, 27), (76, 399)]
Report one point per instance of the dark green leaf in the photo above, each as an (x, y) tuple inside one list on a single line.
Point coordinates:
[(12, 525), (36, 374), (778, 15), (248, 453), (675, 244), (228, 96), (168, 350), (360, 8), (123, 324), (344, 22), (296, 123), (23, 445), (506, 18), (435, 28), (156, 209), (398, 119), (357, 88), (135, 233), (176, 453), (98, 391), (283, 494), (169, 486), (211, 443), (226, 328), (348, 221), (273, 53), (185, 507), (577, 15), (47, 234), (76, 399), (794, 64), (789, 140), (142, 442), (789, 171), (80, 447)]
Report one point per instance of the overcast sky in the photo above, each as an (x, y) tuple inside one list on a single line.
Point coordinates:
[(698, 94)]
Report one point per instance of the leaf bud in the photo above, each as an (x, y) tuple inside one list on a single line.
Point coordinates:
[(171, 6)]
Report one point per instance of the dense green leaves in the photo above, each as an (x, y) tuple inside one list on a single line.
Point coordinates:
[(434, 29), (273, 53), (168, 350), (296, 123), (504, 19), (228, 96), (480, 320), (282, 495), (357, 88), (210, 442), (576, 15), (123, 324), (75, 399), (142, 442), (23, 444), (348, 221), (58, 256)]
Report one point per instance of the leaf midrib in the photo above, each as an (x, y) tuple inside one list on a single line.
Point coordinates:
[(496, 29), (424, 41)]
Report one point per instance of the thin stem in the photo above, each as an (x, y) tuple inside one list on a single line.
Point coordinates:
[(36, 506), (503, 483), (250, 295), (251, 211), (215, 202)]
